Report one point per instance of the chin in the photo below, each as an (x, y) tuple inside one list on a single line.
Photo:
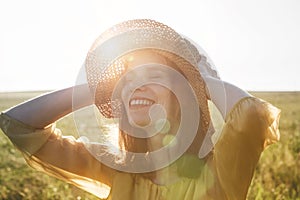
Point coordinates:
[(139, 119), (139, 123)]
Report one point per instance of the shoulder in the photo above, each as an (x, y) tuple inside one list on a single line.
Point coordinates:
[(256, 117), (253, 109)]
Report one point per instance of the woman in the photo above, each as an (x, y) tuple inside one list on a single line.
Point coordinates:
[(159, 88)]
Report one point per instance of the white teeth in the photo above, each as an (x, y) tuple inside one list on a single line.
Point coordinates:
[(143, 102)]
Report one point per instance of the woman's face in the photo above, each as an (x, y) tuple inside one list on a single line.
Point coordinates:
[(146, 84)]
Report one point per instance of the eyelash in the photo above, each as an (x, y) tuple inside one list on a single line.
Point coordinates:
[(154, 77)]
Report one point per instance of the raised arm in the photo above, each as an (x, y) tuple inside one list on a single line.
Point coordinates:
[(45, 148), (41, 111), (224, 95)]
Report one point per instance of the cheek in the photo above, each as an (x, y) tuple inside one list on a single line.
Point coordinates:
[(172, 101), (125, 94), (166, 97)]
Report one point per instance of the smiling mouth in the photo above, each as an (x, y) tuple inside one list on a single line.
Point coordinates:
[(136, 103)]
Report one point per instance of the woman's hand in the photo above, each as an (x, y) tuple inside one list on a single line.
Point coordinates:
[(224, 95), (206, 69)]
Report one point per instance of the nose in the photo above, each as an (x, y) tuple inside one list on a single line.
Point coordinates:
[(137, 79), (142, 88), (137, 85)]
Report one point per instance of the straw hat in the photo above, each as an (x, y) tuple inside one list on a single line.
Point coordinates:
[(104, 63)]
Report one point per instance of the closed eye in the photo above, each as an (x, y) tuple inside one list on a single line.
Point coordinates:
[(129, 78), (155, 77)]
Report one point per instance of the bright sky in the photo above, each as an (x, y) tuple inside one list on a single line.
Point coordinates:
[(254, 44)]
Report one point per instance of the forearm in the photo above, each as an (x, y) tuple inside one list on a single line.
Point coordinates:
[(224, 95), (48, 108)]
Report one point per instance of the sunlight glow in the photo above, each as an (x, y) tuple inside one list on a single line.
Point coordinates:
[(41, 50)]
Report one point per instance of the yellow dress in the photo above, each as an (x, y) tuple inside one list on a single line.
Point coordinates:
[(226, 174)]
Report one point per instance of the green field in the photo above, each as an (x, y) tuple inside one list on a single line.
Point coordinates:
[(277, 176)]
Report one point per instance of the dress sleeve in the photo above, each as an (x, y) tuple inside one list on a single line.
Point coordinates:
[(249, 128), (63, 157)]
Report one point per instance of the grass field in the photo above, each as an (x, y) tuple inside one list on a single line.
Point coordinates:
[(277, 176)]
